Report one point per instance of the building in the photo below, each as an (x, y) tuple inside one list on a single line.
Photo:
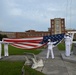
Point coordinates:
[(9, 34), (26, 34), (31, 33), (57, 26)]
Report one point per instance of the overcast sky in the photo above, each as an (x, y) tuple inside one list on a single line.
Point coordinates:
[(22, 15)]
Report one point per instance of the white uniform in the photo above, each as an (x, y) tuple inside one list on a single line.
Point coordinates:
[(68, 42), (50, 49), (6, 49)]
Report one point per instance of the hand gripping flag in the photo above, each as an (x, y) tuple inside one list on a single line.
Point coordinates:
[(35, 42)]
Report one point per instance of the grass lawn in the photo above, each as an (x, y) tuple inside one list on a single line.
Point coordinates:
[(18, 51), (32, 71), (61, 46), (10, 68), (14, 68)]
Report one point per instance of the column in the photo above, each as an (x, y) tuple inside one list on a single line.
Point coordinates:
[(74, 48)]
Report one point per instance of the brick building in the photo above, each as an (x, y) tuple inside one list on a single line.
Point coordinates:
[(31, 33), (9, 34), (57, 26), (26, 34)]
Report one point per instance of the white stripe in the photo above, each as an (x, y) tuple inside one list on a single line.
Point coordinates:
[(36, 38), (26, 46), (37, 44)]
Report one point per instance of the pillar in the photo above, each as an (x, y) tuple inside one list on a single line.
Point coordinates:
[(74, 48)]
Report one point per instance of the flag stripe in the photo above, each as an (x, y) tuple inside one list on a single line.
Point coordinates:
[(23, 40), (33, 43), (27, 43), (26, 47)]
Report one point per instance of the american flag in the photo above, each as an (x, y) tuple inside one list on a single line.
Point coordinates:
[(33, 43)]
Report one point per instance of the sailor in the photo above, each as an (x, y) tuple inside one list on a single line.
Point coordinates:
[(50, 48), (68, 43), (0, 48), (6, 49)]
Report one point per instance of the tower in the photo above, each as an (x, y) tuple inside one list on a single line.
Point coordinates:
[(57, 26)]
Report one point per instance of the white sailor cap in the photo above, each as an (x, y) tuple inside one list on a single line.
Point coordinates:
[(66, 34), (49, 40)]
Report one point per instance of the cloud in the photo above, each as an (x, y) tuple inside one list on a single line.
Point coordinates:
[(15, 12), (26, 14)]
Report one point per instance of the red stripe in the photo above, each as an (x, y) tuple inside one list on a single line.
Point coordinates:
[(31, 45), (26, 48), (25, 43), (16, 41)]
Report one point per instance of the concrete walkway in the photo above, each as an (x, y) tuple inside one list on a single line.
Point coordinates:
[(56, 66)]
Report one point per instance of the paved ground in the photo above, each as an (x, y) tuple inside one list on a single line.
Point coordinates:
[(57, 66), (14, 58)]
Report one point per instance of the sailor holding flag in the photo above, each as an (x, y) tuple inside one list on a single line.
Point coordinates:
[(68, 43), (50, 48)]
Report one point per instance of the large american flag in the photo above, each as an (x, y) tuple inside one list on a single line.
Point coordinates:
[(33, 43)]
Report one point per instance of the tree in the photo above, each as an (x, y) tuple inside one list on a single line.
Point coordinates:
[(2, 36)]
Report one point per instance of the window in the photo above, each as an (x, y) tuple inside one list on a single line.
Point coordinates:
[(62, 25), (52, 22), (57, 21), (62, 21), (52, 26), (57, 27)]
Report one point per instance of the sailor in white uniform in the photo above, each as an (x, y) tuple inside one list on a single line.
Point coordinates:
[(50, 48), (6, 49), (0, 48), (68, 43)]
